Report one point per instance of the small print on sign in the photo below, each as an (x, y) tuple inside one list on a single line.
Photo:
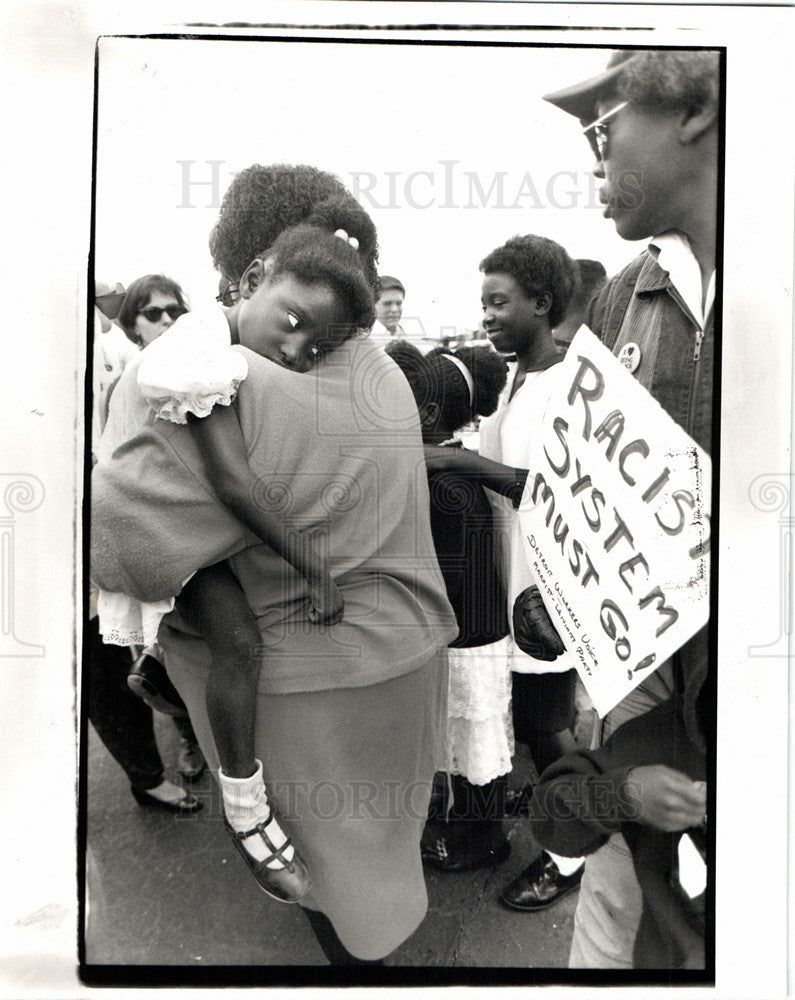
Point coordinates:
[(616, 522)]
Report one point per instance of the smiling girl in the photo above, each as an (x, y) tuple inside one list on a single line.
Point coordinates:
[(527, 286)]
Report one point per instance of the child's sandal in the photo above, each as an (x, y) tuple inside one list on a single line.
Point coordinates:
[(287, 884)]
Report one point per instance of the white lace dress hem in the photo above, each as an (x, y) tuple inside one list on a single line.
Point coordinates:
[(480, 741)]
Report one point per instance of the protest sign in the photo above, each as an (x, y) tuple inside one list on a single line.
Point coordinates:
[(615, 518)]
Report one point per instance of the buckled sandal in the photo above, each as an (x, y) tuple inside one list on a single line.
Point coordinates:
[(287, 884)]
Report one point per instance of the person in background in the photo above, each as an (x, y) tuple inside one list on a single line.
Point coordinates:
[(527, 285), (648, 783), (464, 829), (388, 311), (652, 121), (123, 722), (112, 351), (151, 305), (591, 278)]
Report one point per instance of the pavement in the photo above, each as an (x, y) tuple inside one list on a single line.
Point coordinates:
[(170, 891)]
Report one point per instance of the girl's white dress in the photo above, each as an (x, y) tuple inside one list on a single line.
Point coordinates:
[(190, 368), (480, 741)]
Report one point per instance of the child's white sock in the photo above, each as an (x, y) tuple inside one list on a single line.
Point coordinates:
[(245, 805)]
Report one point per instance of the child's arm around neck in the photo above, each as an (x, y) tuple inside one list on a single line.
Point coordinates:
[(223, 450)]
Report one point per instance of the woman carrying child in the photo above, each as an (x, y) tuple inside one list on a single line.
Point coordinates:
[(337, 712)]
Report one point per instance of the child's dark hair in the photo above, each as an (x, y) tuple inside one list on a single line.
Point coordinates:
[(537, 265), (314, 252), (262, 202), (138, 295), (435, 379)]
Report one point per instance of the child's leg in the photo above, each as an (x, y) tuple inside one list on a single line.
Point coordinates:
[(213, 602)]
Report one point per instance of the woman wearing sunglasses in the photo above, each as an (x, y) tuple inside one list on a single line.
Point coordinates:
[(151, 305)]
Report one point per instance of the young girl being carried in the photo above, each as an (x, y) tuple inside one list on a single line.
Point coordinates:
[(299, 299)]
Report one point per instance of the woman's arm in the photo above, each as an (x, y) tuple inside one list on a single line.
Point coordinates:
[(223, 450), (493, 475)]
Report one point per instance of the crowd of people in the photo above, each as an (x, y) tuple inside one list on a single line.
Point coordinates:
[(293, 555)]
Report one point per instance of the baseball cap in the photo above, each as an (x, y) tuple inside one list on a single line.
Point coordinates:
[(580, 99)]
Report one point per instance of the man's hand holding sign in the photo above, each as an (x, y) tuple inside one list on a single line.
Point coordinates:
[(615, 517)]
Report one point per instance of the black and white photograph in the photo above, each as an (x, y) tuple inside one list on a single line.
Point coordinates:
[(421, 440)]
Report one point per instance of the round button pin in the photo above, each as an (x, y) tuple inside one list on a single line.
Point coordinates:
[(629, 356)]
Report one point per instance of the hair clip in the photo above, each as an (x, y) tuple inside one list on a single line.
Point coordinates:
[(348, 239)]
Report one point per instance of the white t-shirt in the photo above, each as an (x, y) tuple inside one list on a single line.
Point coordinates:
[(504, 438)]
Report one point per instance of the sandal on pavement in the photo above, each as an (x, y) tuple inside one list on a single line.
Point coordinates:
[(287, 884), (187, 804)]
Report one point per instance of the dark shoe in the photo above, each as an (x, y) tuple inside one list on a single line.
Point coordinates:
[(517, 802), (539, 886), (287, 884), (190, 760), (446, 855), (190, 804), (148, 679)]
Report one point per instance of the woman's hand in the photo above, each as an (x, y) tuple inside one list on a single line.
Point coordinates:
[(532, 627), (666, 799)]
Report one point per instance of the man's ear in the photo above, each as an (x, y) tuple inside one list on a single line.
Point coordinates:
[(429, 414), (543, 303), (255, 274), (695, 122)]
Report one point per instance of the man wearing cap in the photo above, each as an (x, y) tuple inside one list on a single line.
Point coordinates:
[(652, 122), (388, 310)]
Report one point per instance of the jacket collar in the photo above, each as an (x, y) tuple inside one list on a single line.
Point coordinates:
[(652, 277)]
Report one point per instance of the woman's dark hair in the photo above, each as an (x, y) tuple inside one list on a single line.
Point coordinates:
[(262, 202), (313, 252), (537, 265), (434, 379), (415, 367), (138, 295), (489, 374)]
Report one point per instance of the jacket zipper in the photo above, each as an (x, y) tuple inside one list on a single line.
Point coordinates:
[(696, 355), (697, 351), (694, 381)]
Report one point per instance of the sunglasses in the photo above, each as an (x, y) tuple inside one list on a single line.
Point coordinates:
[(597, 132), (153, 314)]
